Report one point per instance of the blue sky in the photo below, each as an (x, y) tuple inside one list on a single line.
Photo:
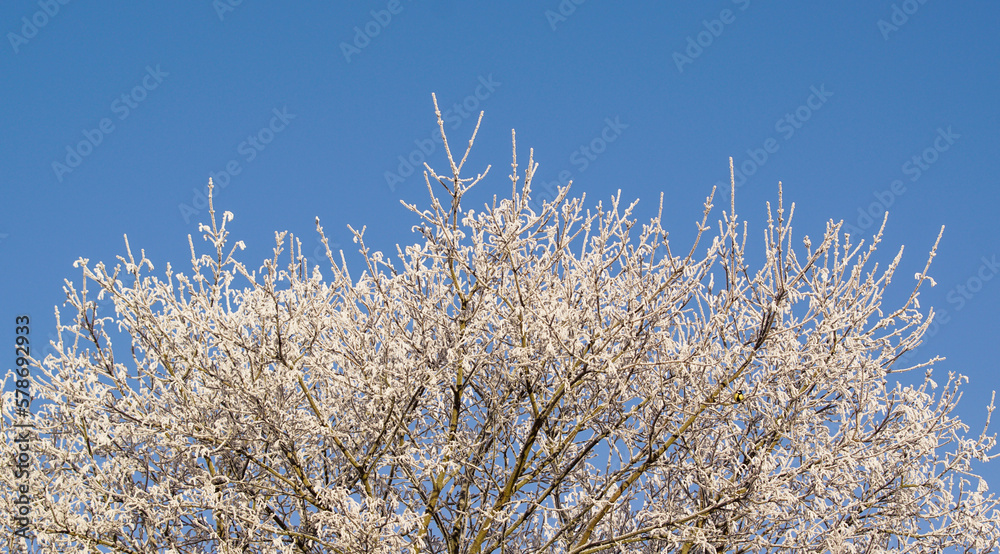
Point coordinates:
[(115, 114)]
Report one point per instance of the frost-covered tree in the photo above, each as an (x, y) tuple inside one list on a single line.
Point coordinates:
[(559, 380)]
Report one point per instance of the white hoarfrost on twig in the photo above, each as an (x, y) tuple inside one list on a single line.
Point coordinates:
[(563, 381)]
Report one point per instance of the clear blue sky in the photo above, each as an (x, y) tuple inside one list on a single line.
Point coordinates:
[(857, 101)]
